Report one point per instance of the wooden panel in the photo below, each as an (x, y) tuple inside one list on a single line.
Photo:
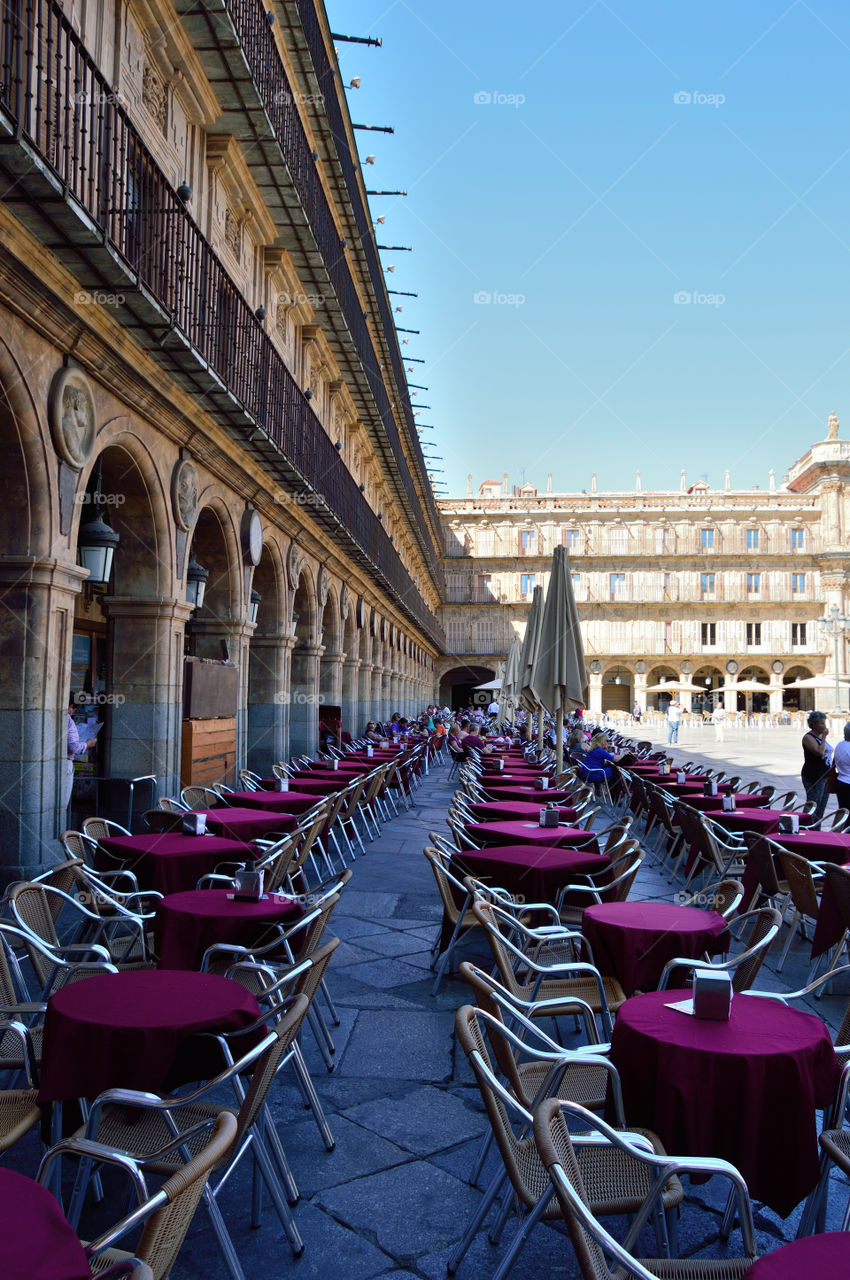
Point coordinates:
[(208, 752), (210, 689)]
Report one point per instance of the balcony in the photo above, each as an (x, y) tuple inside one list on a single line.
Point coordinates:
[(236, 44), (83, 181)]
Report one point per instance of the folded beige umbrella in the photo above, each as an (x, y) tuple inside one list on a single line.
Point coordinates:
[(527, 658), (559, 678), (509, 695)]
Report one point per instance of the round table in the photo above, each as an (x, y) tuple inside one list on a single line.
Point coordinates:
[(508, 810), (127, 1030), (186, 924), (764, 821), (513, 790), (826, 1256), (521, 832), (293, 801), (707, 804), (632, 941), (248, 824), (308, 785), (745, 1090), (38, 1241), (538, 874), (171, 862)]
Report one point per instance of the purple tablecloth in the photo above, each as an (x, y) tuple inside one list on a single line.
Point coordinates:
[(248, 824), (293, 801), (508, 810), (524, 869), (308, 785), (818, 846), (823, 1257), (125, 1030), (514, 790), (38, 1241), (745, 1090), (172, 862), (709, 804), (187, 923), (521, 832), (632, 941), (765, 821)]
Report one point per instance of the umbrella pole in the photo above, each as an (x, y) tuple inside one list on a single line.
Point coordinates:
[(559, 734), (540, 728)]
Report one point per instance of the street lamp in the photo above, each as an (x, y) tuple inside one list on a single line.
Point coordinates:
[(835, 624)]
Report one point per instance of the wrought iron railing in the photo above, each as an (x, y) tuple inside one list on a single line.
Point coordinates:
[(250, 20), (59, 101)]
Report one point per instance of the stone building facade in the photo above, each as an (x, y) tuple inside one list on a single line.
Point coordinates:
[(196, 344), (711, 587)]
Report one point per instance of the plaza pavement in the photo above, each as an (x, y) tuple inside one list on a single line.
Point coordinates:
[(393, 1197)]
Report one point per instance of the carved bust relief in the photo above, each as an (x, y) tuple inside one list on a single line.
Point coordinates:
[(184, 494), (72, 417)]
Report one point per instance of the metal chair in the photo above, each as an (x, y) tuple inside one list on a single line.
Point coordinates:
[(766, 924)]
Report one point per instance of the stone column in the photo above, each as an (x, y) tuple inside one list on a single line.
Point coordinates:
[(350, 697), (395, 694), (365, 706), (730, 699), (330, 679), (387, 708), (143, 723), (776, 688), (304, 700), (377, 700), (36, 626), (595, 693), (640, 690), (268, 713)]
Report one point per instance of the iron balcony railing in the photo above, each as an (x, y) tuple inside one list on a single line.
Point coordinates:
[(66, 110), (250, 21)]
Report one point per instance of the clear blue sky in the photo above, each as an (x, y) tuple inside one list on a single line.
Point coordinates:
[(550, 166)]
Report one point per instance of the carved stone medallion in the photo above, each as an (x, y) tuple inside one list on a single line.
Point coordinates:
[(184, 494), (294, 562), (323, 583), (72, 417)]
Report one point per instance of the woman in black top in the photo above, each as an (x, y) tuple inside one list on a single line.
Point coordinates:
[(817, 757)]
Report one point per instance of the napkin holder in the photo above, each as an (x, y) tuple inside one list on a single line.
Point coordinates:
[(335, 764), (789, 824), (710, 788), (541, 784), (549, 817), (500, 765), (729, 804), (712, 995), (370, 751), (282, 784), (248, 886), (385, 742), (664, 769), (194, 824), (681, 777)]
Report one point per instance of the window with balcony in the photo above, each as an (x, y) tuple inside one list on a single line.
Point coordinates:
[(753, 584), (706, 539), (455, 633), (798, 584), (618, 586), (708, 634), (752, 539), (456, 587), (485, 542), (797, 539), (485, 636), (526, 542), (526, 583), (618, 541), (484, 589), (576, 577), (569, 538), (798, 634), (667, 586), (753, 634), (706, 584), (662, 541)]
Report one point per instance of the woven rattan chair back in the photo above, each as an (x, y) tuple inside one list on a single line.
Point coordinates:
[(33, 911), (798, 875)]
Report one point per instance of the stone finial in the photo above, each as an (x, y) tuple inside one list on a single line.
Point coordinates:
[(637, 482), (469, 485), (832, 427), (593, 483), (728, 480), (504, 482), (549, 482), (682, 482), (772, 474)]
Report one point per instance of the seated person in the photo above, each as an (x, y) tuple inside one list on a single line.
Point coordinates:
[(475, 742), (371, 734), (576, 741), (599, 759)]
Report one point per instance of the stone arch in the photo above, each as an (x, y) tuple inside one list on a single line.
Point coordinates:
[(304, 667), (457, 684), (268, 651)]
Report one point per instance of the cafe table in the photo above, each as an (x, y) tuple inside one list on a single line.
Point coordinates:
[(509, 810), (171, 861), (309, 786), (294, 801), (522, 832), (533, 872), (186, 924), (132, 1030), (248, 824), (745, 1090), (764, 821), (820, 1257), (515, 790), (709, 804), (632, 941), (37, 1242)]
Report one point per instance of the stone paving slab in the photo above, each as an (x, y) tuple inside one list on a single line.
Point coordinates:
[(423, 1121)]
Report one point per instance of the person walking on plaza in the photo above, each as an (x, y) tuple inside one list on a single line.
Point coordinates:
[(841, 760), (719, 718), (674, 715), (817, 759), (636, 712)]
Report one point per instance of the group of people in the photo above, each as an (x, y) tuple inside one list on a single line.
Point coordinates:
[(825, 770)]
